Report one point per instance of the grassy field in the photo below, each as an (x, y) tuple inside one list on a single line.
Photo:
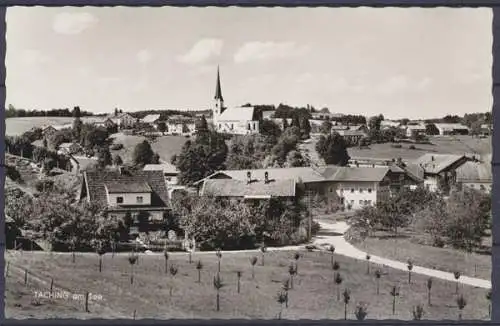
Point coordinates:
[(440, 145), (314, 294), (165, 146), (17, 126), (446, 259)]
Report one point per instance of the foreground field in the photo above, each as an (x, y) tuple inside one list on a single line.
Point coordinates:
[(314, 294), (407, 247), (17, 126)]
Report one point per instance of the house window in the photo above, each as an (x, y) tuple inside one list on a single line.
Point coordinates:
[(482, 187), (139, 199), (248, 127), (369, 190), (119, 200), (352, 189), (361, 190)]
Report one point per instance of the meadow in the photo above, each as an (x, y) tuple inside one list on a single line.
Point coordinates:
[(157, 294), (18, 126)]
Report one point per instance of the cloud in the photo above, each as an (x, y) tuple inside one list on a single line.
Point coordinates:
[(34, 57), (260, 51), (202, 51), (73, 23), (393, 85), (144, 56), (328, 82)]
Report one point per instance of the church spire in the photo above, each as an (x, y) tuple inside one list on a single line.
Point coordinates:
[(218, 90)]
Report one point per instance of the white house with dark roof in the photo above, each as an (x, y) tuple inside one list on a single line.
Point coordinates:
[(476, 174), (142, 195), (352, 187), (234, 120), (452, 129), (440, 169)]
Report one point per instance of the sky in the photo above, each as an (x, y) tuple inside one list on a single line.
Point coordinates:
[(414, 63)]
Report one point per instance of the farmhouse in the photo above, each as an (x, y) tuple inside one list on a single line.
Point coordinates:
[(352, 187), (151, 119), (414, 130), (180, 125), (236, 120), (170, 172), (140, 195), (48, 131), (352, 137), (125, 121), (476, 174), (440, 169), (385, 124), (451, 129), (69, 148)]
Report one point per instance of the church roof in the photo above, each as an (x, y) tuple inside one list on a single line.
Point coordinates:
[(218, 90), (238, 114)]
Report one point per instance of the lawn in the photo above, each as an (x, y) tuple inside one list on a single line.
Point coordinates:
[(313, 295), (440, 145), (17, 126), (446, 259), (165, 146)]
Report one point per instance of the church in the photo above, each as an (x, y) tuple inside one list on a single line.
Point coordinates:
[(235, 120)]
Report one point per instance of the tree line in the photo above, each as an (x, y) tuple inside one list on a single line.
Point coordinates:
[(13, 112)]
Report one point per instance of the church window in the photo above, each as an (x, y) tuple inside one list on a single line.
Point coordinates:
[(248, 127)]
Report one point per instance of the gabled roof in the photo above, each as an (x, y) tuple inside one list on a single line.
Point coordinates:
[(96, 181), (238, 188), (451, 126), (362, 174), (474, 172), (436, 163), (150, 118), (164, 167), (237, 114), (67, 145), (127, 187), (305, 174)]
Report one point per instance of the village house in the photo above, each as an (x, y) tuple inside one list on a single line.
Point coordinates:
[(476, 174), (414, 130), (486, 129), (440, 170), (349, 187), (124, 120), (386, 124), (452, 129), (69, 148), (235, 120), (48, 131), (170, 172), (352, 137), (180, 125), (139, 195), (151, 119), (108, 123)]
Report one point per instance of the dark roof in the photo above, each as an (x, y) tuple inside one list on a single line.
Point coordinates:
[(96, 181), (436, 163), (356, 173), (129, 187), (238, 188)]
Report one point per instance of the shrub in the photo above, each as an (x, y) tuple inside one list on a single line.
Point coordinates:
[(396, 145), (412, 147), (13, 173), (116, 147)]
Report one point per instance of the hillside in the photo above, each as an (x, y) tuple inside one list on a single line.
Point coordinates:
[(17, 126)]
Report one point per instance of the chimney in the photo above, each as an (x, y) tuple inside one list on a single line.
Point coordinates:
[(249, 177), (266, 177)]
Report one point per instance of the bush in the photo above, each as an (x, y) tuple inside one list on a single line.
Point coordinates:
[(116, 147), (396, 145), (44, 185), (412, 147), (12, 173)]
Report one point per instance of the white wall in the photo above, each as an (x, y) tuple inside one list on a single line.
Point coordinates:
[(431, 183), (129, 199), (358, 194), (238, 127)]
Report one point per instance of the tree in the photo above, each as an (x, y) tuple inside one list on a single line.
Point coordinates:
[(361, 312), (429, 288), (375, 122), (431, 129), (333, 149), (104, 157), (305, 127), (218, 284), (117, 160), (18, 206), (202, 125), (76, 112), (281, 298), (418, 312), (461, 303), (253, 261), (394, 293), (285, 123), (162, 127), (199, 267), (326, 127), (269, 128), (143, 153), (201, 157), (45, 143), (378, 275), (295, 121), (347, 297), (295, 159)]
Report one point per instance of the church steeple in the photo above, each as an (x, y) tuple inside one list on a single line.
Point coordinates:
[(218, 90), (218, 106)]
